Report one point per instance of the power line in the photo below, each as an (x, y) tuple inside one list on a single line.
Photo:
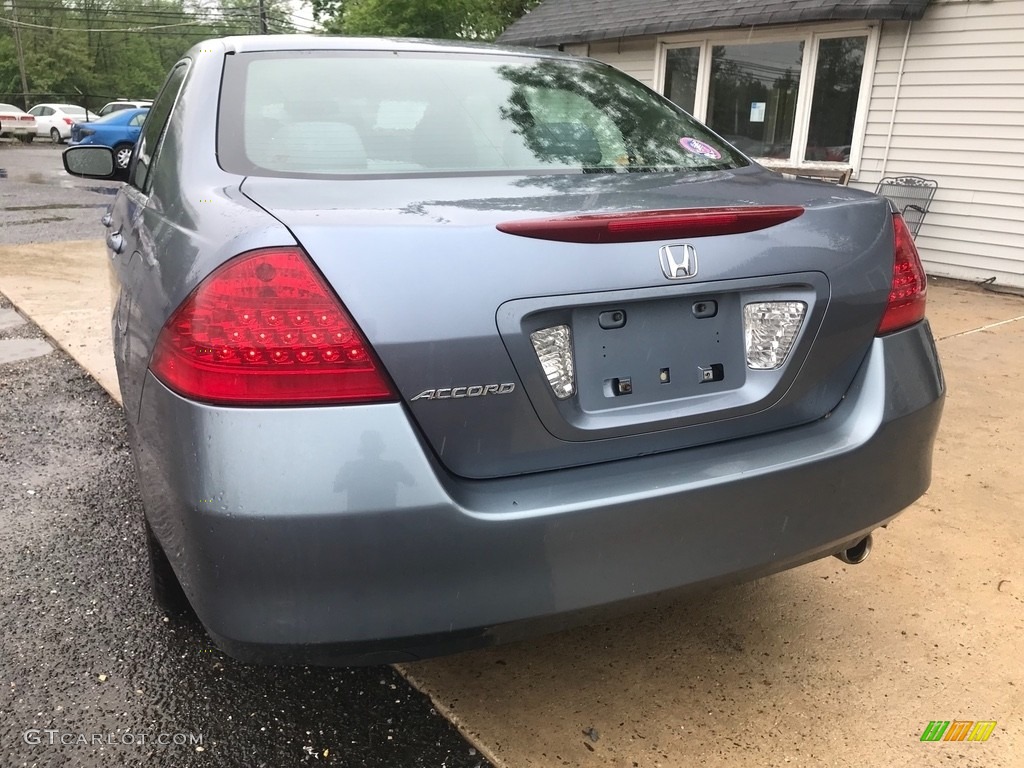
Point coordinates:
[(145, 17), (43, 11), (203, 17), (63, 10), (140, 13), (25, 24)]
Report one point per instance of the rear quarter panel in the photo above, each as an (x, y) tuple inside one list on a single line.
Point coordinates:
[(189, 221)]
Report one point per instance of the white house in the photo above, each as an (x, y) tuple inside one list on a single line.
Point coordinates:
[(931, 89)]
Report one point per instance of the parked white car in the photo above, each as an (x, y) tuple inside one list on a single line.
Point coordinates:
[(16, 122), (55, 120), (114, 106)]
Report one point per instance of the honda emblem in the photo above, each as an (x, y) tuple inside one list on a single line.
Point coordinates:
[(678, 261)]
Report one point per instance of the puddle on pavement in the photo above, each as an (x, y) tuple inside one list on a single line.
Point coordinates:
[(52, 206), (13, 350), (57, 179), (41, 220)]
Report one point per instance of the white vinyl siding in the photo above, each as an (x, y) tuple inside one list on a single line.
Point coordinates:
[(634, 57), (959, 120)]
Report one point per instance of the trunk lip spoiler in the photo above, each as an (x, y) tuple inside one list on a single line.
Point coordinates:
[(638, 226)]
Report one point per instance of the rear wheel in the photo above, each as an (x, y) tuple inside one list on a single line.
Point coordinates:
[(167, 591), (55, 136), (122, 155)]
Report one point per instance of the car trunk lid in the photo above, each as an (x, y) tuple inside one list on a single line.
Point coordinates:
[(453, 305)]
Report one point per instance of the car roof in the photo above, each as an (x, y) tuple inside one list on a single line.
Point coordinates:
[(257, 43)]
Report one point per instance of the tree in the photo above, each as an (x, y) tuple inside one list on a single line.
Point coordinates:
[(91, 51), (445, 19)]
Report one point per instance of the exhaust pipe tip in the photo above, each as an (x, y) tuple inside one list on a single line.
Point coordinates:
[(856, 554)]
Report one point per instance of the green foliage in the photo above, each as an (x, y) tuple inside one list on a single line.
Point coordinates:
[(82, 51), (425, 18), (91, 51), (446, 19)]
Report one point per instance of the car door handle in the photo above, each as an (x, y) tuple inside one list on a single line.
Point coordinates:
[(106, 219), (115, 242)]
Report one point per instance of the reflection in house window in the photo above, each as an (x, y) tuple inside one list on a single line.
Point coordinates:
[(753, 94), (681, 76), (836, 91), (749, 92)]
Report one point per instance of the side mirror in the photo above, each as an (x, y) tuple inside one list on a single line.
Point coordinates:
[(92, 162)]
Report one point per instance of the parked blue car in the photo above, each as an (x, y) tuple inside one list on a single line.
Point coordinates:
[(118, 130)]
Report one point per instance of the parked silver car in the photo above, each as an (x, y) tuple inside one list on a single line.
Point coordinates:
[(116, 106), (489, 339)]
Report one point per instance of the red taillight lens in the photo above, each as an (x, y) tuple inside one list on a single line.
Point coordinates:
[(909, 290), (265, 329), (69, 121), (652, 225)]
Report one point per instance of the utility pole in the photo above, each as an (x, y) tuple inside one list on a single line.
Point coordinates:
[(263, 17), (21, 54)]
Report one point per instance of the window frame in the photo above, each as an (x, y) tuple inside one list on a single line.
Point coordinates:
[(145, 184), (811, 36)]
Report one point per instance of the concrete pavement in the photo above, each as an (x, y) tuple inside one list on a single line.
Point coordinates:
[(65, 289), (825, 665)]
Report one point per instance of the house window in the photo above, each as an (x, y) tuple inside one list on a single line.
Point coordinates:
[(681, 76), (794, 97), (752, 99), (837, 80)]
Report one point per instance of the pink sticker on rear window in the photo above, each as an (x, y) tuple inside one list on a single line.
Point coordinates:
[(698, 147)]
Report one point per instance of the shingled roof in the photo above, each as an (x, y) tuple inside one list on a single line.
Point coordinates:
[(581, 21)]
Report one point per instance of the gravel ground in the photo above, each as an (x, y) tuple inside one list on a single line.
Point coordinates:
[(92, 674)]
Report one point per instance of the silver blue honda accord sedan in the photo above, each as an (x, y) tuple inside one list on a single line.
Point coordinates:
[(428, 346)]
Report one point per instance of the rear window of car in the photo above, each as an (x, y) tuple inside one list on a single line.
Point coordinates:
[(316, 113)]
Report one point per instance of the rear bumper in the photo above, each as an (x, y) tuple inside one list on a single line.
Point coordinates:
[(333, 536)]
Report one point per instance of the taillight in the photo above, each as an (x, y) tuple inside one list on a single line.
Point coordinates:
[(265, 329), (69, 121), (653, 225), (909, 289)]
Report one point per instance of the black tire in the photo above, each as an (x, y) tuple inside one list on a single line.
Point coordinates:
[(27, 138), (122, 156), (167, 592), (55, 136)]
